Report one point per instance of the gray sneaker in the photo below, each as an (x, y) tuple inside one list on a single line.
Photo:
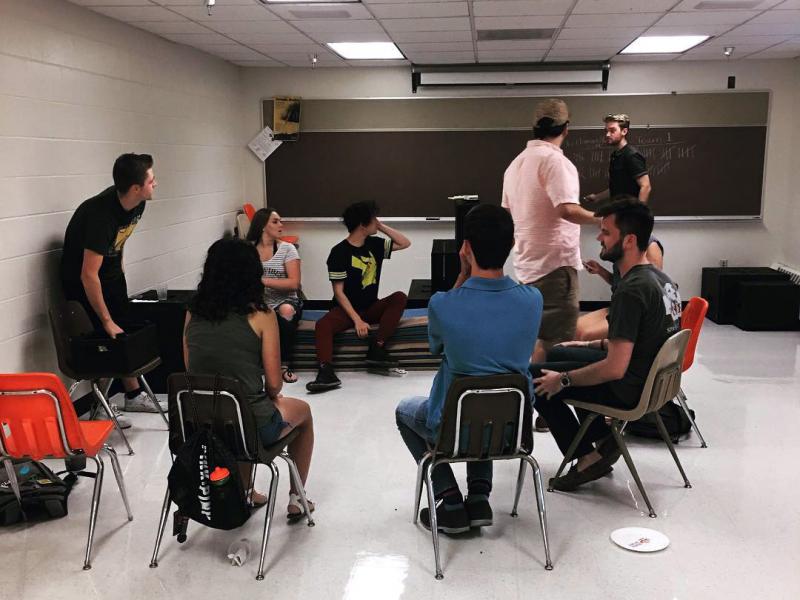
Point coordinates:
[(123, 422), (142, 403)]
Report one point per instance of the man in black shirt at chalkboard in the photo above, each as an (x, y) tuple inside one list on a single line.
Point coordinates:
[(627, 172)]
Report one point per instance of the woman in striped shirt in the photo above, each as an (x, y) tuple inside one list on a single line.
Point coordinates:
[(281, 279)]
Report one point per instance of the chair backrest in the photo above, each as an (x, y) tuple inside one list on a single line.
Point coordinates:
[(249, 210), (37, 418), (664, 379), (242, 225), (487, 416), (692, 318), (68, 319), (198, 400)]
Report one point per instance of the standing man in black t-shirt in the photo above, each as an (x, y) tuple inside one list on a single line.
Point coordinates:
[(627, 171), (354, 268), (91, 264), (645, 311)]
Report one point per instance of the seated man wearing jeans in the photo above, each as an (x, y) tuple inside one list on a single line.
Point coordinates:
[(645, 310), (486, 325)]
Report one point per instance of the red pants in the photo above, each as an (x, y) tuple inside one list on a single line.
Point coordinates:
[(386, 313)]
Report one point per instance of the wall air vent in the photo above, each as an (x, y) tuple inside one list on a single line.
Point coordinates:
[(497, 35), (727, 5), (321, 13)]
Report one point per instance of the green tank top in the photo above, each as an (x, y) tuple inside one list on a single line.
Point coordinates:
[(230, 347)]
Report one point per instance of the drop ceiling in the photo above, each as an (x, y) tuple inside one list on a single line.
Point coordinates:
[(252, 34)]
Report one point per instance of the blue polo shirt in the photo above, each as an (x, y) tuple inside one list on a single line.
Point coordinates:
[(485, 327)]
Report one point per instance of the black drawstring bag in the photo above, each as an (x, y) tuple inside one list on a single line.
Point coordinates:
[(204, 480)]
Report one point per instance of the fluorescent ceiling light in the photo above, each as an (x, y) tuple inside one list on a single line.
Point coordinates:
[(366, 50), (309, 1), (663, 44)]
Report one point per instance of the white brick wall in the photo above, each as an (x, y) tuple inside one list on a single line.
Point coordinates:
[(76, 90)]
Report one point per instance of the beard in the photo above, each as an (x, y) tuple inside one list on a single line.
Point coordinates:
[(612, 254)]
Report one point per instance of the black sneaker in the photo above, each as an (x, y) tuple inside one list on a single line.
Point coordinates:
[(609, 451), (573, 478), (326, 380), (540, 425), (377, 356), (449, 519), (479, 511)]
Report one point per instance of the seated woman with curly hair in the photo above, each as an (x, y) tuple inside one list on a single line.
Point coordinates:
[(230, 330)]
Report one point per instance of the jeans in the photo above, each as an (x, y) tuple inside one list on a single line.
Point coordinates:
[(562, 422), (412, 415)]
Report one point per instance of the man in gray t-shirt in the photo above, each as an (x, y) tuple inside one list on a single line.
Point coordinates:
[(645, 310)]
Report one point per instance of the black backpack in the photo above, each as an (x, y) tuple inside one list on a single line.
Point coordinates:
[(675, 421), (204, 480), (44, 494)]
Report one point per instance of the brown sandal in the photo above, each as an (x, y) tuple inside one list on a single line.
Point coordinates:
[(288, 375)]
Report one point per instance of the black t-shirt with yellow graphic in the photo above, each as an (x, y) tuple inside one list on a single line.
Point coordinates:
[(359, 269), (102, 225)]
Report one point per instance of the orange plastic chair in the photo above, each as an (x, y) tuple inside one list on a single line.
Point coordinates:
[(692, 318), (38, 420), (249, 210)]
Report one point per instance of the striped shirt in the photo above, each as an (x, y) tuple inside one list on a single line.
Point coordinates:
[(275, 268)]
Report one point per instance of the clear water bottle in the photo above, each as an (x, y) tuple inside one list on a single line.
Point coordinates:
[(238, 552)]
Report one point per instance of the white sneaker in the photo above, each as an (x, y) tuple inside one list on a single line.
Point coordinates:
[(123, 422), (142, 403)]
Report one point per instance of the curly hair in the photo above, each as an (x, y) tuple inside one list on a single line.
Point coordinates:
[(231, 281)]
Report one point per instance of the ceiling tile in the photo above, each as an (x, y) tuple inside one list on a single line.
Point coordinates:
[(138, 13), (618, 43), (193, 2), (323, 11), (789, 5), (746, 40), (257, 63), (689, 5), (583, 53), (294, 37), (112, 2), (716, 17), (586, 33), (620, 20), (192, 39), (371, 2), (251, 27), (423, 58), (323, 58), (688, 30), (779, 16), (510, 8), (602, 7), (436, 46), (432, 36), (440, 24), (773, 53), (223, 12), (162, 27), (420, 9), (309, 47), (324, 37), (767, 29), (542, 22), (339, 26)]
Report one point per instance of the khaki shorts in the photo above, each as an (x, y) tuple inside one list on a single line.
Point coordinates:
[(559, 289)]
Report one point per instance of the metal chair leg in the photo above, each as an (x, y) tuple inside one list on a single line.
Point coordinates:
[(107, 407), (98, 487), (574, 445), (418, 489), (539, 487), (162, 523), (685, 406), (153, 398), (432, 515), (520, 483), (118, 475), (631, 467), (298, 485), (665, 436), (273, 491), (12, 477)]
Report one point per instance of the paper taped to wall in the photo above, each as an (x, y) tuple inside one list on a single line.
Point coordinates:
[(264, 144)]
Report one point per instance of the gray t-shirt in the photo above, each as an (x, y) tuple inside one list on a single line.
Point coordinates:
[(645, 309), (275, 268)]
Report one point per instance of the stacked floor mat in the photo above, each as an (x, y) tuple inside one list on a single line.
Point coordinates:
[(409, 344)]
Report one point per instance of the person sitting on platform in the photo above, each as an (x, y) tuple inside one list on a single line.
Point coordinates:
[(479, 329), (354, 269), (281, 280), (645, 310), (230, 330)]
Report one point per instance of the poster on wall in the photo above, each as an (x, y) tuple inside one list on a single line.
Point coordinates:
[(286, 119)]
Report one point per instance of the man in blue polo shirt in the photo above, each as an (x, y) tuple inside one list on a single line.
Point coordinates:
[(478, 328)]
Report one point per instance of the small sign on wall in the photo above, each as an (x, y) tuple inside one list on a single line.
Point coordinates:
[(264, 144), (286, 119)]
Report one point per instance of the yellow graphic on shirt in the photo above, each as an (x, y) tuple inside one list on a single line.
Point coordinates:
[(123, 234), (369, 269)]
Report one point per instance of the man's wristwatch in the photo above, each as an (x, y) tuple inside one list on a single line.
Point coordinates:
[(565, 380)]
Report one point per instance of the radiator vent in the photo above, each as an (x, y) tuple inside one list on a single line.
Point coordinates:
[(495, 35)]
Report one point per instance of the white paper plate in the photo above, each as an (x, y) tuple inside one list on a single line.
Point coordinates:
[(639, 539)]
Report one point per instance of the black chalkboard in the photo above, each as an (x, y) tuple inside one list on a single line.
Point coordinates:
[(707, 171)]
